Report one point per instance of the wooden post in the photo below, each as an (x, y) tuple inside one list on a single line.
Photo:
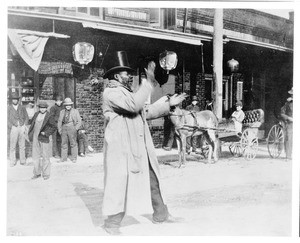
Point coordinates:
[(218, 60)]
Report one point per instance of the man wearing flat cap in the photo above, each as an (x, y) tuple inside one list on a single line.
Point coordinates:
[(287, 116), (131, 182), (42, 126), (69, 122), (17, 119)]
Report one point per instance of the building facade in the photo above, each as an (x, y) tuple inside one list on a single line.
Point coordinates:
[(260, 42)]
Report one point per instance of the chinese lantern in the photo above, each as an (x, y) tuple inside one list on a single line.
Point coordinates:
[(83, 53), (168, 60)]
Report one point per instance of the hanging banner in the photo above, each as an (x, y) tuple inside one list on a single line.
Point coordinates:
[(31, 44), (50, 68)]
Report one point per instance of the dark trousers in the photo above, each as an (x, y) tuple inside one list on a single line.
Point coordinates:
[(169, 133), (69, 134), (160, 213), (82, 142), (56, 144), (192, 141)]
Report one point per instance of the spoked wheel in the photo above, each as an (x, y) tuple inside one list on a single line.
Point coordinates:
[(275, 141), (249, 143), (236, 149)]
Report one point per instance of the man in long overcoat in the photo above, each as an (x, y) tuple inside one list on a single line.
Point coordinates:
[(131, 183)]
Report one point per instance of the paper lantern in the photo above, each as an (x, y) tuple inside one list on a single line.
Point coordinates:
[(83, 53), (168, 60)]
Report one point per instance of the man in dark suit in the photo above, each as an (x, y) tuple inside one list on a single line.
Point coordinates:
[(17, 119), (42, 126), (56, 138)]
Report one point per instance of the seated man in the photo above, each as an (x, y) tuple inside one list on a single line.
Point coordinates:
[(238, 117)]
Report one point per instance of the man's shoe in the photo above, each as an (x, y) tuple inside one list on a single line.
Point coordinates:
[(170, 219), (112, 231), (74, 160), (61, 161), (167, 148), (35, 177), (46, 177), (56, 157), (81, 155)]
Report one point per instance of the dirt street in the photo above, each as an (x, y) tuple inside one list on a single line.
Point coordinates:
[(231, 197)]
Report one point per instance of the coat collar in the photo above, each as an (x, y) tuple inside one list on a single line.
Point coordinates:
[(114, 84)]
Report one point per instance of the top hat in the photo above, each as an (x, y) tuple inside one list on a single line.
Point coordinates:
[(239, 103), (43, 104), (290, 91), (14, 95), (120, 63), (68, 101), (194, 98)]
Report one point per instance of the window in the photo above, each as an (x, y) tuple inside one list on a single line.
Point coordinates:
[(170, 18), (94, 11), (82, 10)]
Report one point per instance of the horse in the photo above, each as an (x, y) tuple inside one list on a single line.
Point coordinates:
[(191, 123)]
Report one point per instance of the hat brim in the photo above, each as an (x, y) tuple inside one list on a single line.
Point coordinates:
[(118, 69), (69, 103)]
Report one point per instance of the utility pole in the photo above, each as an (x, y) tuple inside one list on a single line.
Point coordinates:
[(218, 61)]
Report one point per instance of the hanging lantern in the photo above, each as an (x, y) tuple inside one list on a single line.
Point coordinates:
[(168, 60), (233, 65), (83, 53)]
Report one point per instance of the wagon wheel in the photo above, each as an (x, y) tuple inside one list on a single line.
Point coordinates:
[(275, 141), (236, 149), (249, 143)]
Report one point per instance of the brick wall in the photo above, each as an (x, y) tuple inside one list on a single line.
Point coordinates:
[(89, 104)]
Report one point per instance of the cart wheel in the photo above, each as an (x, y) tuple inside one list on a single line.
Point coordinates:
[(249, 143), (275, 141), (236, 149)]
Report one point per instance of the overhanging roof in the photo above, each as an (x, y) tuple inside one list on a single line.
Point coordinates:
[(118, 27), (145, 32), (257, 43)]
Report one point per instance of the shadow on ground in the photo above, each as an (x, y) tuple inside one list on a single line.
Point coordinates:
[(93, 199)]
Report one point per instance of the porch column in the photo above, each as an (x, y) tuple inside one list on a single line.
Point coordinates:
[(218, 60)]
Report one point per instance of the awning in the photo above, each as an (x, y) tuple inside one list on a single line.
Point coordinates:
[(30, 44), (145, 32), (258, 43)]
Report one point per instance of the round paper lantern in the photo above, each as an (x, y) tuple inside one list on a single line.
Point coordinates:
[(83, 53), (168, 60)]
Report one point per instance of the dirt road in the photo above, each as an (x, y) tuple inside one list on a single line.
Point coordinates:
[(231, 197)]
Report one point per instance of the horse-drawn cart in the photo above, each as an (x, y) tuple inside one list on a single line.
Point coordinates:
[(246, 143), (205, 123)]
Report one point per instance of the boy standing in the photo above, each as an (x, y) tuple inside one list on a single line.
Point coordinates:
[(238, 117)]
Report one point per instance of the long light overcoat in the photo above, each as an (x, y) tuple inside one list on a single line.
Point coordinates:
[(128, 148)]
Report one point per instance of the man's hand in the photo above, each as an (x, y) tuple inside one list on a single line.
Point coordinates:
[(150, 73), (43, 133), (176, 99)]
